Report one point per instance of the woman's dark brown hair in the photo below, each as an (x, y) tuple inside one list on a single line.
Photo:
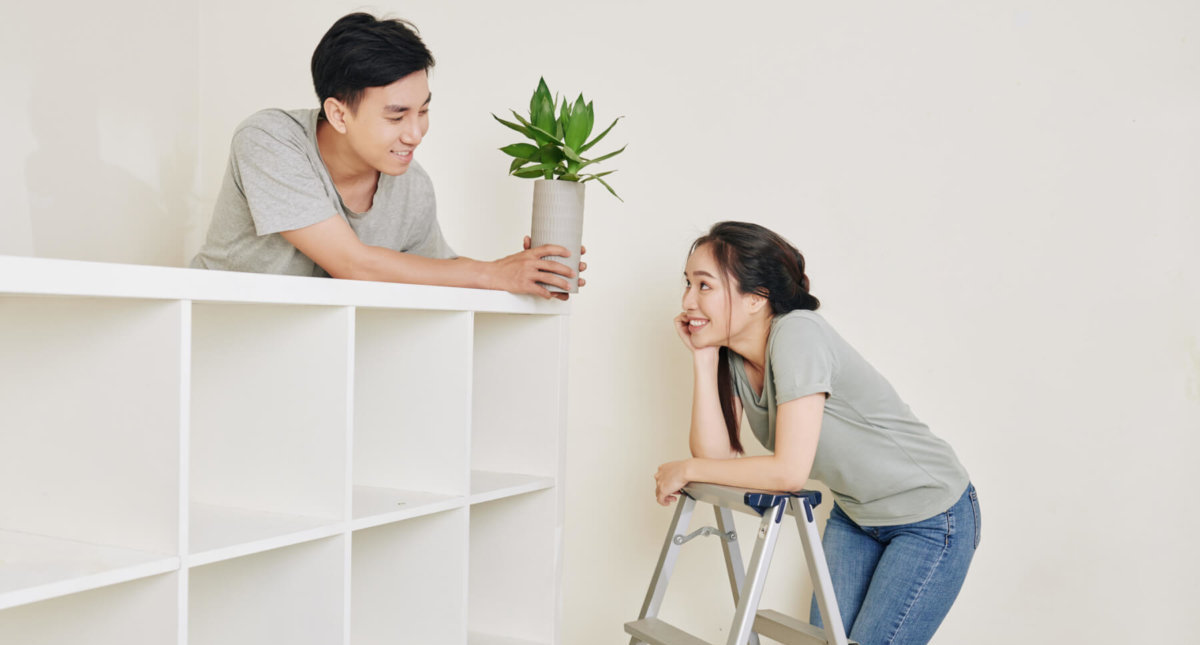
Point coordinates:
[(762, 263)]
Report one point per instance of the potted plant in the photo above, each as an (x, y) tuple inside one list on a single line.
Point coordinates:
[(556, 161)]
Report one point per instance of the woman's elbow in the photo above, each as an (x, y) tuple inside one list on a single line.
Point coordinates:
[(789, 479)]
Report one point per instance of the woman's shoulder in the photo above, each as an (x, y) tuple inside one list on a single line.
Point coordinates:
[(799, 321)]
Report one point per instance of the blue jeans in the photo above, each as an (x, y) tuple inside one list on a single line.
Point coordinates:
[(895, 584)]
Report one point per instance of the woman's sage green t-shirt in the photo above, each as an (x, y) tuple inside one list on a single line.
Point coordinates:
[(882, 464)]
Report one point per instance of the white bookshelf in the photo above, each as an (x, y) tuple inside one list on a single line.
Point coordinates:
[(198, 457)]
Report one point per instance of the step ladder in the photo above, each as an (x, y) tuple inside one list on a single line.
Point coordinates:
[(748, 621)]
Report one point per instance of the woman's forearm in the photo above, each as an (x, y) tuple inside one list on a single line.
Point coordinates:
[(768, 472), (708, 437)]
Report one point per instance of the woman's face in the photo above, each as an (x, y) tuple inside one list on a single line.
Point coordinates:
[(716, 310)]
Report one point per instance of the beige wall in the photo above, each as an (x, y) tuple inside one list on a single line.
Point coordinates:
[(997, 204)]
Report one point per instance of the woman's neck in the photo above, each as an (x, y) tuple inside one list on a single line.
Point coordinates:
[(751, 343)]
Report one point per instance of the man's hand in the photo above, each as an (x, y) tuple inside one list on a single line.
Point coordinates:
[(521, 272), (582, 267)]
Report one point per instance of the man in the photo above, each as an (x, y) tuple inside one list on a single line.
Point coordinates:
[(337, 192)]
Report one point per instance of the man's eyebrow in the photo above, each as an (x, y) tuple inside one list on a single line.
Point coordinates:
[(401, 109)]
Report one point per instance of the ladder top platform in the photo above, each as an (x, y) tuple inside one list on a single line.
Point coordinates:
[(748, 500)]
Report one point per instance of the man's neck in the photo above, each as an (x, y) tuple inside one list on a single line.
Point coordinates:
[(345, 167)]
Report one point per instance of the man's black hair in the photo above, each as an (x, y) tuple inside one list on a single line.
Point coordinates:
[(361, 51)]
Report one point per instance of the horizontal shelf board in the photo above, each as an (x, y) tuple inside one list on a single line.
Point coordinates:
[(222, 532), (477, 638), (375, 506), (35, 567), (45, 276), (487, 486)]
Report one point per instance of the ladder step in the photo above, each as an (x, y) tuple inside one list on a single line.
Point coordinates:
[(788, 630), (657, 632)]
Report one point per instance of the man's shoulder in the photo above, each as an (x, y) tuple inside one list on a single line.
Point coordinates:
[(278, 123)]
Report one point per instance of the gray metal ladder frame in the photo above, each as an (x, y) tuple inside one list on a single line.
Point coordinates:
[(748, 622)]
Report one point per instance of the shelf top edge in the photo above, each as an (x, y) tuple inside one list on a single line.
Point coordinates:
[(54, 277)]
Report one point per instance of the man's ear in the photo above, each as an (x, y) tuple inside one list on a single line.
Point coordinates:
[(335, 114)]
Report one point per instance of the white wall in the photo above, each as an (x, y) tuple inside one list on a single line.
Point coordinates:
[(99, 112), (995, 201)]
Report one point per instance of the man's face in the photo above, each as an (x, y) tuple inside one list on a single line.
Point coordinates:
[(390, 123)]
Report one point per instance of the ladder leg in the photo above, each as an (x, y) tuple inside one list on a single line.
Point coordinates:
[(760, 560), (666, 560), (818, 568), (733, 557)]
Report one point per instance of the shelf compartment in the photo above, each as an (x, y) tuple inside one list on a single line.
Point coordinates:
[(224, 532), (374, 506), (141, 612), (35, 567), (487, 486), (90, 396), (270, 409), (516, 595), (408, 581), (518, 399), (412, 379), (294, 595)]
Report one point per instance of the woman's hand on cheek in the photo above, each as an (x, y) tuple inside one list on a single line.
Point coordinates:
[(670, 478)]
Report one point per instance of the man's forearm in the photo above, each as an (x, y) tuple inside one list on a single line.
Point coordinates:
[(385, 265)]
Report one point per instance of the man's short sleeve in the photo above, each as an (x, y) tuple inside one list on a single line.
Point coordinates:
[(802, 359), (281, 187)]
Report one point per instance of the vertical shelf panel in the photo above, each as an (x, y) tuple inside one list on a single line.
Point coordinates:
[(515, 569), (519, 393), (409, 581), (90, 396), (411, 410), (269, 421), (142, 612), (293, 595)]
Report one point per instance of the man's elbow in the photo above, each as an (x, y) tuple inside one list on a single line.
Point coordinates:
[(358, 265)]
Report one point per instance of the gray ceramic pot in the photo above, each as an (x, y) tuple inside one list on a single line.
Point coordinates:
[(558, 219)]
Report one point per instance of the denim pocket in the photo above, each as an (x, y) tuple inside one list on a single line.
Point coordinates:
[(975, 511)]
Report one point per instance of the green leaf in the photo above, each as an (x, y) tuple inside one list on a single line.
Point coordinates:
[(529, 173), (544, 117), (579, 127), (520, 150), (547, 135), (535, 102), (598, 175), (516, 163), (571, 154), (525, 131), (535, 133), (601, 135), (607, 156), (569, 176), (551, 153), (614, 193), (536, 171)]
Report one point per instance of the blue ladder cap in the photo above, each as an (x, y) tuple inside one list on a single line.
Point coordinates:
[(760, 502)]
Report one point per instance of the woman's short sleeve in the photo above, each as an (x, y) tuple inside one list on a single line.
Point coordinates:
[(802, 358)]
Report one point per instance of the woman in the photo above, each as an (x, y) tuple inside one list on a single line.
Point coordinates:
[(905, 523)]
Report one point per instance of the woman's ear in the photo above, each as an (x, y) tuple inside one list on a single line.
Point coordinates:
[(757, 302)]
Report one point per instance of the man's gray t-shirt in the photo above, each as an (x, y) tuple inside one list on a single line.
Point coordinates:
[(882, 464), (276, 181)]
